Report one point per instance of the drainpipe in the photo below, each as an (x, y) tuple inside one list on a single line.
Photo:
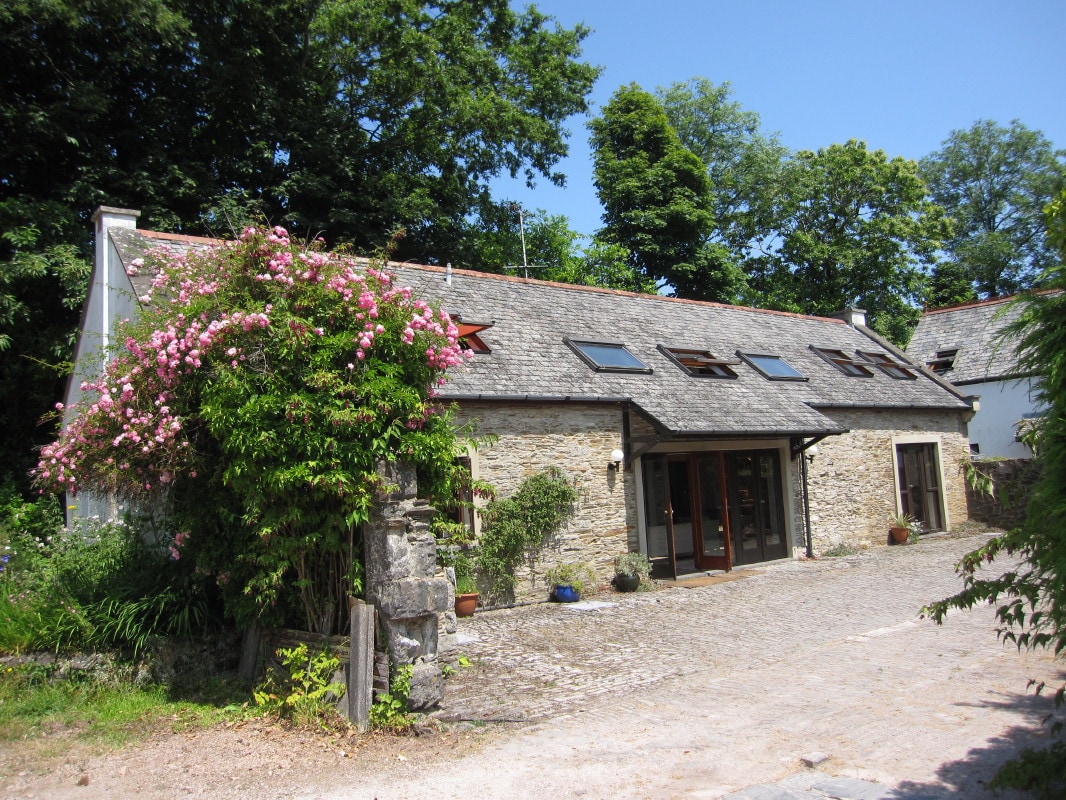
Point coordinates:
[(806, 505)]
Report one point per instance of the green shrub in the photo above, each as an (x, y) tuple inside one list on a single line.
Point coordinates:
[(303, 690), (94, 586), (389, 711)]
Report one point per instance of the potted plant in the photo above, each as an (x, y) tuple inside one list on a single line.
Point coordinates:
[(466, 593), (567, 580), (630, 570), (466, 596), (900, 527)]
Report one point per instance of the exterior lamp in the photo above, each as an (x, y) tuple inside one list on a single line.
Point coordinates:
[(812, 451), (615, 464)]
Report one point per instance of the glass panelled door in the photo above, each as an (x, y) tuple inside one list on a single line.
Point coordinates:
[(713, 510), (919, 484), (657, 516), (712, 544), (756, 509)]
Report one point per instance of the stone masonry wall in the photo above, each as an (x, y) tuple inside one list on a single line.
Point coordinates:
[(851, 482), (578, 439)]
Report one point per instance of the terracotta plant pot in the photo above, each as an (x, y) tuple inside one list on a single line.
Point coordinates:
[(465, 604), (900, 535)]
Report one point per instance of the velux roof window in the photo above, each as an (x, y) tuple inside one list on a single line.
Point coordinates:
[(469, 338), (944, 360), (773, 367), (849, 365), (608, 356), (889, 366), (701, 363)]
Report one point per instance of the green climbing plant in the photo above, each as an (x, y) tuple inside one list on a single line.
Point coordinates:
[(517, 528)]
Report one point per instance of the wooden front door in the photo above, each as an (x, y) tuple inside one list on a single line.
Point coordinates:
[(919, 484)]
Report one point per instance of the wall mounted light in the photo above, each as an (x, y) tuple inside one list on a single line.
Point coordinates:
[(615, 464), (812, 451)]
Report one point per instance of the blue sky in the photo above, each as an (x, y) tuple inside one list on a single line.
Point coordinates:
[(899, 74)]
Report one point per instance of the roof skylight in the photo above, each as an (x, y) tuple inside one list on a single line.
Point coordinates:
[(889, 366), (944, 361), (845, 363), (773, 367), (701, 363), (608, 356)]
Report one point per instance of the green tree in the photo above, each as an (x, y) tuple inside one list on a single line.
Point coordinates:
[(554, 250), (656, 196), (345, 118), (741, 160), (41, 292), (1031, 598), (851, 228), (994, 182)]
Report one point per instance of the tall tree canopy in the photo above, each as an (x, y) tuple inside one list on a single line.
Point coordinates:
[(742, 161), (656, 196), (851, 227), (995, 182), (346, 117)]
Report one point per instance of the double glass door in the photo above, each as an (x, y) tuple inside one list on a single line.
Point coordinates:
[(714, 510)]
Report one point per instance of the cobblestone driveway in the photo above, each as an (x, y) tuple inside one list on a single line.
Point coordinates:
[(700, 692), (547, 660)]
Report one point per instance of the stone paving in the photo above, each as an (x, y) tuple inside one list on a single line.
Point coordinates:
[(739, 679), (560, 658)]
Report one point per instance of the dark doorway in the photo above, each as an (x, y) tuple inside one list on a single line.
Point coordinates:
[(919, 484)]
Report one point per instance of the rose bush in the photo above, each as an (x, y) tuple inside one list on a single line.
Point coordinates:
[(250, 404)]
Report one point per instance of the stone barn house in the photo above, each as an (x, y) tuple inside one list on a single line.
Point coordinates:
[(707, 436)]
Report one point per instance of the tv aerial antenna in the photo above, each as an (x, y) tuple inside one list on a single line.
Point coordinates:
[(525, 267)]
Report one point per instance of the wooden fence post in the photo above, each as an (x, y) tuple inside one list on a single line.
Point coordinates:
[(361, 665)]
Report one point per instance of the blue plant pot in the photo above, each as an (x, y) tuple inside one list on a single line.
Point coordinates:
[(565, 594)]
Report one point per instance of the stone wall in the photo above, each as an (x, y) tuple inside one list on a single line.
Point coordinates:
[(1013, 479), (852, 484), (577, 438)]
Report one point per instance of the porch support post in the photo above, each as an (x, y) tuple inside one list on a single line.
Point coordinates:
[(806, 505)]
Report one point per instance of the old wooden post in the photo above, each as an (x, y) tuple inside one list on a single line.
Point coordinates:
[(361, 665)]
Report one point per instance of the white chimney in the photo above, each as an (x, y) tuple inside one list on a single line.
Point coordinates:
[(106, 217), (855, 317)]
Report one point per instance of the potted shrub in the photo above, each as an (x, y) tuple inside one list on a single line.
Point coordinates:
[(630, 570), (900, 527), (567, 580), (466, 593)]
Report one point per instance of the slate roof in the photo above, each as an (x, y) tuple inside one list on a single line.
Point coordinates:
[(530, 360), (973, 331)]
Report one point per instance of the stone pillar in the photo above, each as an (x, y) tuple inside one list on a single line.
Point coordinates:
[(404, 582)]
